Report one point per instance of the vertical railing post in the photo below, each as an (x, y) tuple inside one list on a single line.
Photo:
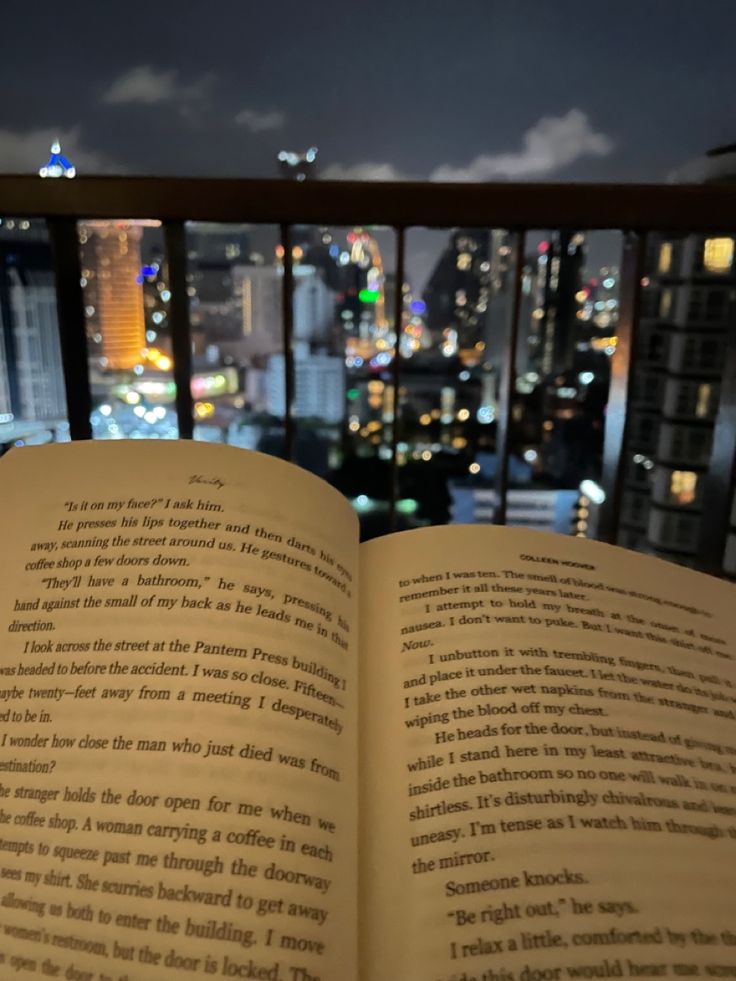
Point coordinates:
[(181, 342), (619, 393), (398, 313), (72, 333), (719, 481), (7, 334), (507, 380), (287, 333)]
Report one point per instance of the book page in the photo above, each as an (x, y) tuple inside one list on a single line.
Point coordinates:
[(548, 748), (178, 703)]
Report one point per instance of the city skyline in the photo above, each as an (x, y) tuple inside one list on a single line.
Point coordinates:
[(344, 405), (528, 91)]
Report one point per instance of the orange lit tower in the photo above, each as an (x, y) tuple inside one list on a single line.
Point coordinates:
[(116, 246)]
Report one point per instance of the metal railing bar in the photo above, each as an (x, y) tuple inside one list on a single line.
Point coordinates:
[(287, 332), (181, 343), (666, 207), (398, 313), (507, 380), (7, 334), (719, 480), (618, 414), (72, 333)]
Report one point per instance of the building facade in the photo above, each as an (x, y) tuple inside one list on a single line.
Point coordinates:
[(31, 377), (687, 301)]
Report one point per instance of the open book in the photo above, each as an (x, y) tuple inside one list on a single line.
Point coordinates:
[(235, 744)]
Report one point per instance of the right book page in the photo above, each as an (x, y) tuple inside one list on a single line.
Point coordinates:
[(548, 761)]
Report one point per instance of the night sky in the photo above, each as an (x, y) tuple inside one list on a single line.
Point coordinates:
[(475, 90)]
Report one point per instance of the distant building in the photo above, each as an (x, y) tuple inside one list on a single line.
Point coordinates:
[(112, 251), (213, 244), (212, 251), (31, 376), (314, 305), (457, 295), (319, 386), (259, 289), (556, 416), (550, 335), (38, 355)]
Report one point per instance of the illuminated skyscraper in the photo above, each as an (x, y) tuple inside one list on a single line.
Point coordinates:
[(298, 165), (114, 250), (58, 165), (550, 337)]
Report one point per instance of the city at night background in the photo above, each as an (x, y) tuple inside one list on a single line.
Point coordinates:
[(483, 93)]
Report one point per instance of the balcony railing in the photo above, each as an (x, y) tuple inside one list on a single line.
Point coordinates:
[(634, 210)]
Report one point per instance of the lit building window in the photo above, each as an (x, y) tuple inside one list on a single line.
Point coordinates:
[(682, 486), (665, 303), (665, 257), (718, 254), (703, 401)]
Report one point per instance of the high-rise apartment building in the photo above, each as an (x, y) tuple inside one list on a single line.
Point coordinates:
[(688, 299)]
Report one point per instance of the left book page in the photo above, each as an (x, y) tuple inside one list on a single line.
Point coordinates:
[(178, 749)]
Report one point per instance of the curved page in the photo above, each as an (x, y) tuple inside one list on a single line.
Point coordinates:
[(549, 761), (177, 716)]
